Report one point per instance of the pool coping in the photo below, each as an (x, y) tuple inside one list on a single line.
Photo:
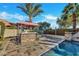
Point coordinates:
[(50, 48), (45, 52)]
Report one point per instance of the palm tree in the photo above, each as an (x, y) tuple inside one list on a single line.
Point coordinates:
[(31, 9), (71, 9), (59, 22), (62, 23)]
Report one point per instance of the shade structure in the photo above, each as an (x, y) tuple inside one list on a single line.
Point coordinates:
[(27, 24)]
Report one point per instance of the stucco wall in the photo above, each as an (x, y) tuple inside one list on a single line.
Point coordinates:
[(10, 32)]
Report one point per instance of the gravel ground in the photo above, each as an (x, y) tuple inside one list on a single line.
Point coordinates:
[(27, 48)]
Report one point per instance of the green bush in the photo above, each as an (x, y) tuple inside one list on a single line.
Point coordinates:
[(2, 29)]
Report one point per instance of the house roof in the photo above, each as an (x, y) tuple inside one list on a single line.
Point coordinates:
[(28, 24), (6, 22)]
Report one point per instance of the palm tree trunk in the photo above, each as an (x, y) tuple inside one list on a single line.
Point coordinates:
[(18, 38), (74, 22), (30, 18)]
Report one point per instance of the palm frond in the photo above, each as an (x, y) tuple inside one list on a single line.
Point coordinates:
[(31, 9), (37, 12)]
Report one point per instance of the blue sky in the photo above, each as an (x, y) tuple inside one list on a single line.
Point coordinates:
[(11, 13)]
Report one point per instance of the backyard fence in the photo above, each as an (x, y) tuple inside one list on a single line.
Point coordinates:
[(59, 31)]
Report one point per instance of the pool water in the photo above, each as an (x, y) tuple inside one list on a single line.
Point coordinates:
[(66, 48)]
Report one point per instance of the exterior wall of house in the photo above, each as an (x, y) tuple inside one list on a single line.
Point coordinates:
[(10, 32)]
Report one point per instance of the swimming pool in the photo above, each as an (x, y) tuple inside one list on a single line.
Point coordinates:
[(66, 48)]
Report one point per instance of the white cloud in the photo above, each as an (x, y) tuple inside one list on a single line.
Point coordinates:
[(50, 17), (5, 15), (19, 17)]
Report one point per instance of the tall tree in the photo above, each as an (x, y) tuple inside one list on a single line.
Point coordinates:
[(31, 9), (43, 26), (59, 22), (71, 9), (62, 23)]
